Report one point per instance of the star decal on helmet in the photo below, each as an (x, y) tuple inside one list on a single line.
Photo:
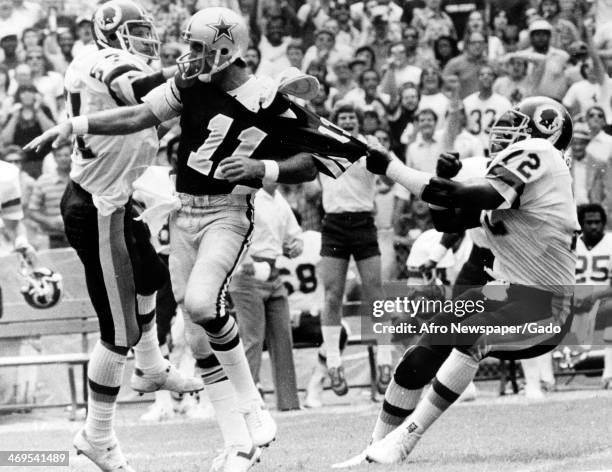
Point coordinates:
[(222, 29)]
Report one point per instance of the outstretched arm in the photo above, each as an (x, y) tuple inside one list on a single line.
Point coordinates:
[(118, 121), (295, 169)]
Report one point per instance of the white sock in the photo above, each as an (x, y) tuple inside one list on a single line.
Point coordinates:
[(105, 373), (453, 377), (237, 369), (232, 424), (331, 339), (147, 354), (546, 368), (607, 373), (531, 371)]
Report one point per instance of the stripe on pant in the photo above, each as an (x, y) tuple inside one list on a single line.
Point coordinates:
[(117, 273), (245, 245)]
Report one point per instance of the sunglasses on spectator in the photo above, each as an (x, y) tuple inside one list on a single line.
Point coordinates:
[(595, 115)]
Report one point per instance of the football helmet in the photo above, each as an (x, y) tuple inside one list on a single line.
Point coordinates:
[(217, 37), (43, 288), (123, 24), (533, 117)]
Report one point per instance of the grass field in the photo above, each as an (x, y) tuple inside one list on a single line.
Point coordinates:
[(570, 431)]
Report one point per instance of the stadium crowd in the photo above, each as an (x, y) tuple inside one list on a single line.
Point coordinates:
[(424, 77)]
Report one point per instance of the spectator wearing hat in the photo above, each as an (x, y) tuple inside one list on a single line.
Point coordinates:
[(595, 88), (553, 82), (581, 169), (273, 47), (431, 23), (28, 119), (84, 35), (468, 63)]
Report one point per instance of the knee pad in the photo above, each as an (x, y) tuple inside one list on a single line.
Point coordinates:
[(418, 366)]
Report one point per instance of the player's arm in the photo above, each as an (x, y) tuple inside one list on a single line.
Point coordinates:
[(295, 169)]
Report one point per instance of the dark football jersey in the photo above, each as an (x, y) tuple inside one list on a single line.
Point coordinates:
[(215, 125)]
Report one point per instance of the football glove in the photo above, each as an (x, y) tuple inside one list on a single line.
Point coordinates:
[(448, 165)]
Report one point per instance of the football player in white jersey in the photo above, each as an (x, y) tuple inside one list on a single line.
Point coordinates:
[(482, 108), (122, 270), (593, 277), (526, 207)]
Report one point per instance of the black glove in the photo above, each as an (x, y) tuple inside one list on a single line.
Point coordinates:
[(378, 161), (448, 165)]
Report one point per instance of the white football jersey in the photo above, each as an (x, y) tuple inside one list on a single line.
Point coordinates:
[(481, 114), (474, 167), (300, 276), (594, 266), (533, 232), (10, 192), (106, 166)]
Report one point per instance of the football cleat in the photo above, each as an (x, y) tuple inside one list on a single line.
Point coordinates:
[(233, 459), (260, 424), (395, 446), (109, 459), (384, 378), (338, 381), (168, 379)]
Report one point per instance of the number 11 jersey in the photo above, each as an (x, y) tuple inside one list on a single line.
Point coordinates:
[(533, 232)]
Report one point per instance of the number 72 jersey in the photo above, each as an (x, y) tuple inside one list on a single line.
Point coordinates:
[(533, 232), (594, 266)]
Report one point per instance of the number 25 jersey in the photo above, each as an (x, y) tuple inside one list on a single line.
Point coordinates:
[(594, 266), (532, 234)]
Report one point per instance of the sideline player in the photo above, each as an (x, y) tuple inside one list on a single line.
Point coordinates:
[(122, 270), (226, 136), (526, 192)]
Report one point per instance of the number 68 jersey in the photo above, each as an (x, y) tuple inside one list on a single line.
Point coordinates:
[(594, 266), (533, 232)]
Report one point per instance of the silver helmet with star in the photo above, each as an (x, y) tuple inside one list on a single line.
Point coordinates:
[(217, 37)]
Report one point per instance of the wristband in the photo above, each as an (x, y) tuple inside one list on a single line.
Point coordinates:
[(272, 170), (437, 253), (80, 125), (414, 180)]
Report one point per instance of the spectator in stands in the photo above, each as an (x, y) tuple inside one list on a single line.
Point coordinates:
[(401, 119), (260, 298), (28, 119), (169, 53), (344, 82), (326, 50), (510, 38), (554, 61), (516, 84), (432, 96), (367, 94), (31, 38), (415, 55), (476, 23), (295, 54), (595, 88), (431, 23), (9, 44), (44, 205), (581, 168), (398, 64), (168, 16), (253, 59), (445, 48), (84, 35), (367, 55), (319, 104), (348, 34), (423, 152), (468, 63), (484, 106), (564, 32), (13, 20), (48, 82), (6, 101), (317, 69), (273, 47), (349, 230), (312, 15)]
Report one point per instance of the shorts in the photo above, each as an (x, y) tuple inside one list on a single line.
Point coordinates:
[(349, 234)]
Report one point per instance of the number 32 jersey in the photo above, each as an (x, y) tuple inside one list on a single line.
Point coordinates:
[(594, 266), (533, 232)]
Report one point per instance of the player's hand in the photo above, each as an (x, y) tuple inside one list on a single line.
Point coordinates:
[(378, 157), (448, 165), (53, 135), (27, 252), (236, 168), (293, 248)]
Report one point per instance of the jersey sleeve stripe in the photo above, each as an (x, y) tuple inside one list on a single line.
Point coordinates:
[(501, 173), (119, 70), (11, 203)]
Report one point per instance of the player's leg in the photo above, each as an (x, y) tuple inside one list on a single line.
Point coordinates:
[(333, 274), (151, 371), (238, 445), (223, 236), (100, 244)]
